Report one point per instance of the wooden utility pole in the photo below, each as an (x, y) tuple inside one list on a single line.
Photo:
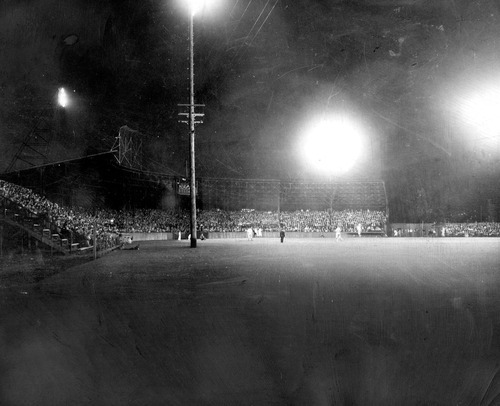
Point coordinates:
[(192, 122)]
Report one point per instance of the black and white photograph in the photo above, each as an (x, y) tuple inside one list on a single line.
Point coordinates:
[(250, 202)]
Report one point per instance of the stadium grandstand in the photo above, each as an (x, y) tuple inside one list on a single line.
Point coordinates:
[(119, 179), (94, 201), (112, 194)]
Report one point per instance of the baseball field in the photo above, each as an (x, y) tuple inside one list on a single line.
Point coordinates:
[(363, 321)]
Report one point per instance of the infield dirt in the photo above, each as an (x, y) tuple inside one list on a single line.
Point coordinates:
[(236, 322)]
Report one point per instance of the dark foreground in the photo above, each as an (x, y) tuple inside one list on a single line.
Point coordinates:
[(359, 322)]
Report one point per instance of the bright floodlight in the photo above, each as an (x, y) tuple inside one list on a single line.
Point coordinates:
[(481, 111), (62, 97), (196, 5), (333, 145)]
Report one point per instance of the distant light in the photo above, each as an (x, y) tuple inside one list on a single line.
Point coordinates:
[(62, 97), (332, 145)]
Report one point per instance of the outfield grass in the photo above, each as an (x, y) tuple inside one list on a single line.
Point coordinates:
[(368, 321)]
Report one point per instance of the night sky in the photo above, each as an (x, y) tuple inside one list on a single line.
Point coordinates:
[(420, 77)]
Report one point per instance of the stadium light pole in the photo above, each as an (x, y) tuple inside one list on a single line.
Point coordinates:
[(192, 179), (194, 6)]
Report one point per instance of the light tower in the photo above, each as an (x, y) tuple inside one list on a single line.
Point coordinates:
[(34, 148), (194, 7)]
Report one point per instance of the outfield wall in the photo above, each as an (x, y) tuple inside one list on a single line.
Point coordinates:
[(240, 235), (276, 234), (149, 236)]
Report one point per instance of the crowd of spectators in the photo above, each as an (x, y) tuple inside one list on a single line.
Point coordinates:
[(470, 229), (82, 221), (483, 229), (26, 198), (79, 223), (76, 225)]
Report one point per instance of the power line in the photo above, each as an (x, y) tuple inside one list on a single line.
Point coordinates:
[(276, 2), (237, 57), (258, 18), (235, 4), (241, 18)]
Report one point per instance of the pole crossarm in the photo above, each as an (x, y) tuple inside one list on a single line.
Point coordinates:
[(187, 114)]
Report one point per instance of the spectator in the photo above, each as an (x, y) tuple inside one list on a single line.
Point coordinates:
[(80, 222)]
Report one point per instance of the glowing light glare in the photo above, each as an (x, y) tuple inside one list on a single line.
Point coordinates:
[(482, 110), (62, 97), (196, 5), (333, 145)]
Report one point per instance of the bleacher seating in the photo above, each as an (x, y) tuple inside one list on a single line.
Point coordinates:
[(235, 194), (46, 221), (72, 229)]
